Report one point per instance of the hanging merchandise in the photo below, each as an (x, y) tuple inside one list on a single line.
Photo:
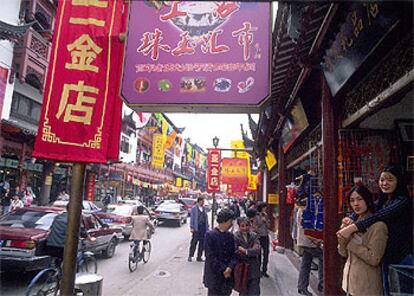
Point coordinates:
[(291, 193), (312, 217)]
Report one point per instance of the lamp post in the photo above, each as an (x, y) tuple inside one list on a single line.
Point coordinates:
[(215, 144)]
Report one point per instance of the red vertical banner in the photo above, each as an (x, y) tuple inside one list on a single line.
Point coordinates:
[(4, 72), (81, 115), (213, 170), (90, 186)]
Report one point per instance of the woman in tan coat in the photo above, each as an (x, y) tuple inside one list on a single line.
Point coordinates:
[(364, 251), (140, 226)]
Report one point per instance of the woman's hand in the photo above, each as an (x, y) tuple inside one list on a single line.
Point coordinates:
[(342, 240), (347, 231), (242, 250), (347, 221), (227, 273)]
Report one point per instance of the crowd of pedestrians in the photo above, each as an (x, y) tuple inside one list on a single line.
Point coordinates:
[(13, 198)]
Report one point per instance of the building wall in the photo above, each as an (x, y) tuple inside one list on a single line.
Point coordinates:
[(9, 14)]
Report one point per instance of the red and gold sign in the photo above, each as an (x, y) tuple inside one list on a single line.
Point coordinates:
[(234, 171), (90, 186), (213, 170), (81, 113)]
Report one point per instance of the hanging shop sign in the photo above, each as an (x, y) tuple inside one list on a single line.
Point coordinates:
[(366, 25), (252, 185), (158, 151), (90, 186), (295, 124), (4, 73), (81, 114), (273, 199), (197, 56), (213, 170), (234, 171)]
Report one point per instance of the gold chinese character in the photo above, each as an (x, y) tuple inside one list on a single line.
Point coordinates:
[(83, 52), (372, 11), (356, 23), (96, 3), (87, 21), (79, 106)]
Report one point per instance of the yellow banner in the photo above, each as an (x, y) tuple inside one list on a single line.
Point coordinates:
[(239, 144), (273, 199), (157, 151), (164, 128), (252, 185), (186, 183), (179, 182), (270, 160)]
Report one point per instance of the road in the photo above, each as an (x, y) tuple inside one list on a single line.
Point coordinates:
[(167, 242)]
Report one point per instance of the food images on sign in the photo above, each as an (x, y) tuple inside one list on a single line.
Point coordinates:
[(193, 84), (222, 84), (245, 86), (141, 84), (164, 85)]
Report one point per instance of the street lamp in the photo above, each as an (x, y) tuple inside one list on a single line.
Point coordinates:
[(215, 144)]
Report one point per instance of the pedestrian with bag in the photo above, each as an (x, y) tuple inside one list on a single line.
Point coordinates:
[(198, 228), (247, 271), (261, 223), (364, 251), (220, 250)]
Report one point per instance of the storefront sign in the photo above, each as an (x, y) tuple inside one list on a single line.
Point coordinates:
[(273, 199), (295, 124), (90, 186), (81, 114), (213, 170), (4, 73), (365, 26), (252, 185), (158, 151), (234, 171), (197, 54)]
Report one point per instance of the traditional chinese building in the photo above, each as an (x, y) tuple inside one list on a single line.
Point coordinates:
[(28, 24), (341, 108)]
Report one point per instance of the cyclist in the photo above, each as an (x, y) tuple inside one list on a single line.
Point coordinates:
[(140, 223)]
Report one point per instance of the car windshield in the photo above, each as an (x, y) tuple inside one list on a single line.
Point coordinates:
[(124, 210), (28, 219), (169, 207)]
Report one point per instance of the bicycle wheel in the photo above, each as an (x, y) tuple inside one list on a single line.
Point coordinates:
[(133, 262), (146, 251), (88, 264), (45, 283)]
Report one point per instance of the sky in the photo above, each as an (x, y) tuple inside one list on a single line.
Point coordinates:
[(202, 128)]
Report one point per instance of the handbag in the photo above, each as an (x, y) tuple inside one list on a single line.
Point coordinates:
[(241, 277)]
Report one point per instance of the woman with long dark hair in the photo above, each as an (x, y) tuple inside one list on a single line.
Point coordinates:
[(394, 208), (364, 251)]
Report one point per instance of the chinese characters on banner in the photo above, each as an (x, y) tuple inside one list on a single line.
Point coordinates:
[(81, 114), (213, 170), (234, 171), (158, 151), (197, 52), (90, 186)]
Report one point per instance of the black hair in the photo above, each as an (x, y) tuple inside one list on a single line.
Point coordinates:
[(401, 189), (225, 215), (241, 220), (140, 210), (260, 206), (200, 198), (251, 213), (365, 194)]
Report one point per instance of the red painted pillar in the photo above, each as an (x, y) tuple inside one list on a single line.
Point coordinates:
[(283, 213), (331, 221)]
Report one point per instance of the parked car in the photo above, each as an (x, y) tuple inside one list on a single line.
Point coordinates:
[(87, 206), (24, 231), (119, 215), (188, 203), (171, 212)]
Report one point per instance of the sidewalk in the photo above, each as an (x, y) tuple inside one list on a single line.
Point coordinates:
[(177, 277)]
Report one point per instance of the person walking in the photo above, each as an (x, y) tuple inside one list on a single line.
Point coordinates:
[(248, 251), (311, 249), (6, 200), (261, 227), (16, 203), (198, 228), (28, 199), (395, 209), (364, 251), (220, 256)]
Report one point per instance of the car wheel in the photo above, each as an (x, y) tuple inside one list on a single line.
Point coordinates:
[(110, 249), (126, 237)]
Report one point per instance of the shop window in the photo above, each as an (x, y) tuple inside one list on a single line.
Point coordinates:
[(25, 108), (33, 80), (125, 144)]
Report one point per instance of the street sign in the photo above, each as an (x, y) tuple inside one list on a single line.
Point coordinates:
[(213, 170)]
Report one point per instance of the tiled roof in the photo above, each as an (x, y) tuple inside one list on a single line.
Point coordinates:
[(12, 32)]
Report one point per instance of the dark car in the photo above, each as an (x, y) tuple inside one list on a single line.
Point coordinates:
[(188, 203), (120, 215), (24, 231)]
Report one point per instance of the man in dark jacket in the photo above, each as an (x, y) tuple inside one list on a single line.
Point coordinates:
[(198, 228), (220, 256)]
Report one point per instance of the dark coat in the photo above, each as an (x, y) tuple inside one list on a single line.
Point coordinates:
[(220, 253), (253, 253)]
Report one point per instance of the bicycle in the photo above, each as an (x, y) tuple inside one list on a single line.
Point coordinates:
[(137, 254), (47, 281)]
